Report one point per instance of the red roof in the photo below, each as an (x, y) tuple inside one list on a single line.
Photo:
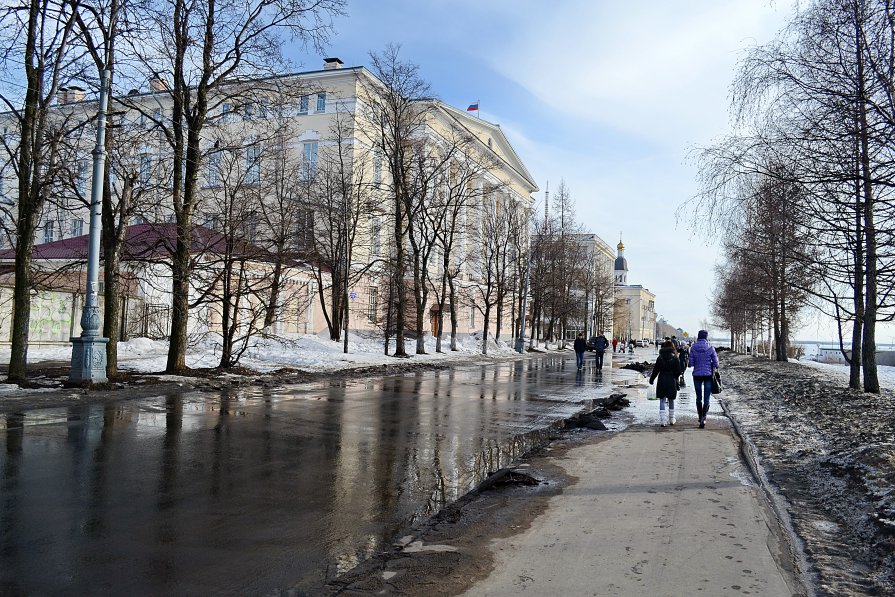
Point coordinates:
[(144, 242)]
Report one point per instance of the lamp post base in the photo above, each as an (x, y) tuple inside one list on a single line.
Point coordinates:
[(520, 344), (88, 360)]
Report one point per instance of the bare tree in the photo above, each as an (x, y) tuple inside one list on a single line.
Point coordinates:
[(819, 100), (204, 53), (339, 197), (39, 37), (398, 115)]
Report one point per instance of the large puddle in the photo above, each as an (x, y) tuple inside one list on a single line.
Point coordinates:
[(258, 490)]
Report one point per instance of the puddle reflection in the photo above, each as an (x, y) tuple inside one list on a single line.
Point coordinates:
[(259, 489)]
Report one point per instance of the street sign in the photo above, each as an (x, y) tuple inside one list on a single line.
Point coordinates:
[(352, 295)]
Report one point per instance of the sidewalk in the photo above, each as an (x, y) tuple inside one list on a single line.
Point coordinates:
[(653, 512)]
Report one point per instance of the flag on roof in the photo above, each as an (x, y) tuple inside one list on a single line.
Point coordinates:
[(473, 107)]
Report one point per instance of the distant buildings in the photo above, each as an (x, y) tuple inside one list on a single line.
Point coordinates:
[(635, 306)]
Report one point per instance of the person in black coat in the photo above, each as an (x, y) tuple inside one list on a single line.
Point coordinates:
[(683, 353), (600, 346), (668, 370), (580, 348)]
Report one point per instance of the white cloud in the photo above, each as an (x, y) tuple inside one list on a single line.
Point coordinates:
[(652, 69)]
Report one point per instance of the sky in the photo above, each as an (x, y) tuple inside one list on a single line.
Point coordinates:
[(611, 97)]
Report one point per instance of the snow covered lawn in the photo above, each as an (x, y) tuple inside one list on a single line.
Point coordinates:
[(306, 353)]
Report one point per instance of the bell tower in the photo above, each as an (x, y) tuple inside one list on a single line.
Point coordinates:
[(621, 265)]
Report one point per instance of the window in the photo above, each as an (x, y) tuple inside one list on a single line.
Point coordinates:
[(213, 172), (49, 231), (373, 304), (309, 159), (303, 104), (253, 164), (377, 170), (77, 227), (471, 317), (137, 220), (249, 111), (304, 229), (145, 168), (321, 101), (211, 220), (81, 178), (250, 228), (225, 112), (157, 115), (375, 237)]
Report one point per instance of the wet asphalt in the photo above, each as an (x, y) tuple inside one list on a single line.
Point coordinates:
[(260, 490)]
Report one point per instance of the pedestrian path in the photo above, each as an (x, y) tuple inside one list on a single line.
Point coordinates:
[(653, 512)]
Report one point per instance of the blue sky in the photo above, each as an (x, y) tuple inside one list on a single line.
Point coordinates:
[(608, 96)]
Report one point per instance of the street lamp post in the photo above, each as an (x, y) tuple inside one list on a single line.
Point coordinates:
[(88, 354)]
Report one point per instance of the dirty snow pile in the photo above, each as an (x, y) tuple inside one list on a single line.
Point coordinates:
[(829, 452)]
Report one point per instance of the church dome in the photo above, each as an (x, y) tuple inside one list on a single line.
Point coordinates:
[(620, 246), (621, 264)]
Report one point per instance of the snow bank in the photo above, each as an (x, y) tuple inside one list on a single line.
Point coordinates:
[(306, 352)]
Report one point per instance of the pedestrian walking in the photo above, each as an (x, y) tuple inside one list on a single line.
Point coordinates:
[(614, 344), (600, 346), (631, 346), (668, 369), (580, 347), (704, 361), (683, 353)]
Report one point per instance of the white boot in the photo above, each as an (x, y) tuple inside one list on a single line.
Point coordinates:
[(662, 418), (671, 419)]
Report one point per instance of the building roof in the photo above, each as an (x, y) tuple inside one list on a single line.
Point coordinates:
[(145, 242), (621, 264)]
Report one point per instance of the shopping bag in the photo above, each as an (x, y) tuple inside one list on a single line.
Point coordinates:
[(717, 386)]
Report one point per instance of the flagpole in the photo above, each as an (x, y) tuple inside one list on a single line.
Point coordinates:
[(478, 110)]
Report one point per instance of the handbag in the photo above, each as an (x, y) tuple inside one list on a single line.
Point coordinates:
[(717, 386)]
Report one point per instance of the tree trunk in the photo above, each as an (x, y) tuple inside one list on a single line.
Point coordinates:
[(274, 298), (388, 315), (441, 304), (21, 314), (487, 315), (453, 314), (420, 296), (114, 232), (871, 379), (180, 287), (400, 273), (337, 292)]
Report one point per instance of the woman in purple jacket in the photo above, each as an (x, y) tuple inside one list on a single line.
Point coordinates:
[(704, 361)]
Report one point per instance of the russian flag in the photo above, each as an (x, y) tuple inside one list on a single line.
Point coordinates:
[(473, 107)]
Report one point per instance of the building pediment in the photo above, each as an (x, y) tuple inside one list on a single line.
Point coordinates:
[(491, 137)]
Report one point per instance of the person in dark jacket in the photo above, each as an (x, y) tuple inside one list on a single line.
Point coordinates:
[(704, 361), (580, 348), (683, 353), (667, 369), (600, 347)]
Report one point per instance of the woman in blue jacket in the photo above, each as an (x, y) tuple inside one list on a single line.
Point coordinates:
[(704, 361)]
